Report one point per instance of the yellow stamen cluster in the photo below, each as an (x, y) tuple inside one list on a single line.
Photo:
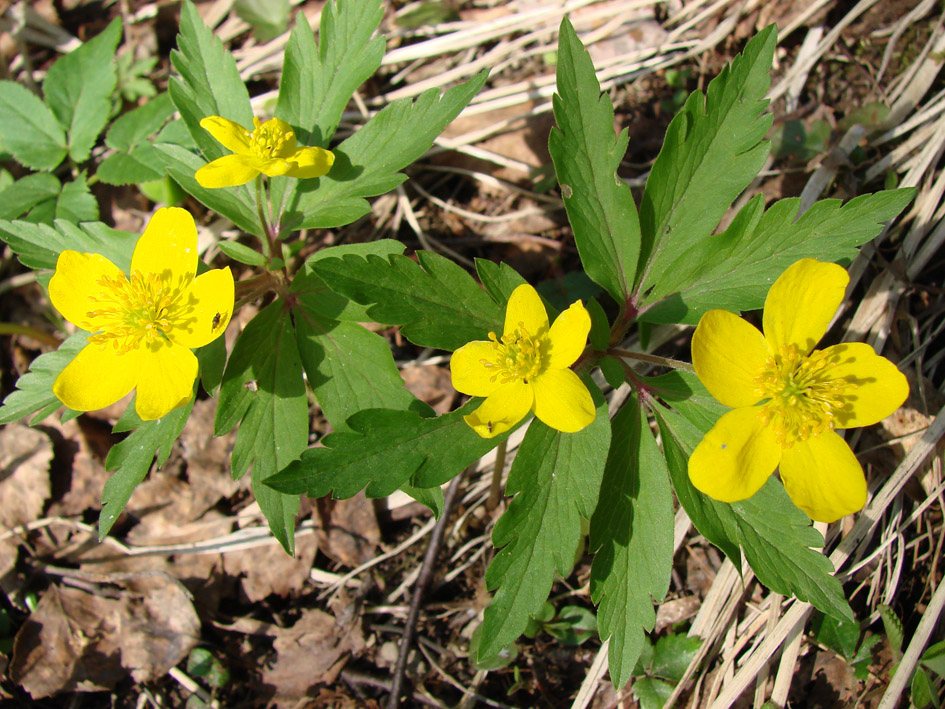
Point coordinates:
[(803, 398), (130, 311), (269, 139), (517, 356)]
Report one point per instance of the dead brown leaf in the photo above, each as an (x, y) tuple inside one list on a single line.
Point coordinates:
[(430, 384), (347, 530), (267, 570)]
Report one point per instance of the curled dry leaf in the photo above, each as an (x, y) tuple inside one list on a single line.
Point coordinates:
[(78, 641)]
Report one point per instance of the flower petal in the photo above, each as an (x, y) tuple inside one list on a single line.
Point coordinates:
[(525, 308), (469, 374), (228, 171), (204, 309), (823, 477), (880, 388), (229, 134), (727, 354), (310, 162), (97, 377), (274, 167), (568, 335), (501, 410), (562, 400), (801, 303), (166, 380), (735, 458), (75, 280), (168, 247)]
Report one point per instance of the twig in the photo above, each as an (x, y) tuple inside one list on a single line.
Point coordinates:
[(426, 574)]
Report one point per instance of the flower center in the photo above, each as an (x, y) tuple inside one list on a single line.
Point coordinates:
[(130, 311), (269, 138), (516, 356), (803, 396)]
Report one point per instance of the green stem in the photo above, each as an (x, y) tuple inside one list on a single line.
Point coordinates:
[(653, 359), (268, 245), (7, 328), (495, 489)]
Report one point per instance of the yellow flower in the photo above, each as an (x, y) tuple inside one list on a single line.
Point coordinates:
[(527, 370), (268, 149), (787, 398), (143, 325)]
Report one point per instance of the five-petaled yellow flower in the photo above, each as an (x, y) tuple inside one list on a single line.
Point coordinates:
[(787, 398), (143, 325), (268, 149), (527, 370)]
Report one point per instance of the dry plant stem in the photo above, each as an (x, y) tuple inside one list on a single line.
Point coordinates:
[(7, 328), (426, 574), (495, 489), (653, 359)]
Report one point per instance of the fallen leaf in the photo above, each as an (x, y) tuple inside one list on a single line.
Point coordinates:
[(348, 532), (267, 570)]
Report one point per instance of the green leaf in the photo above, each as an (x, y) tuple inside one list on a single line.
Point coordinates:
[(264, 391), (841, 636), (586, 157), (269, 18), (432, 497), (318, 81), (369, 162), (76, 203), (384, 450), (499, 280), (137, 125), (34, 389), (672, 655), (131, 459), (740, 264), (632, 531), (556, 479), (79, 86), (28, 129), (934, 658), (24, 194), (574, 625), (142, 164), (237, 205), (38, 245), (713, 149), (242, 253), (651, 693), (894, 632), (922, 691), (436, 303), (209, 84)]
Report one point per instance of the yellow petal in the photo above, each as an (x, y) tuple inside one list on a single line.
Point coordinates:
[(229, 134), (310, 162), (469, 374), (97, 377), (568, 335), (168, 247), (76, 278), (166, 380), (525, 308), (823, 477), (735, 458), (228, 171), (727, 354), (880, 388), (502, 410), (801, 303), (274, 167), (204, 310), (562, 400)]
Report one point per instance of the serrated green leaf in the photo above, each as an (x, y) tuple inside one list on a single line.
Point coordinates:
[(651, 693), (79, 86), (713, 149), (142, 164), (431, 497), (839, 635), (76, 203), (586, 156), (38, 245), (130, 460), (137, 125), (264, 391), (237, 205), (574, 625), (318, 81), (672, 655), (631, 529), (600, 327), (934, 658), (922, 692), (894, 632), (369, 162), (556, 479), (28, 129), (269, 18), (242, 253), (436, 303), (739, 266), (209, 84), (34, 389), (499, 280), (24, 194), (385, 449)]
